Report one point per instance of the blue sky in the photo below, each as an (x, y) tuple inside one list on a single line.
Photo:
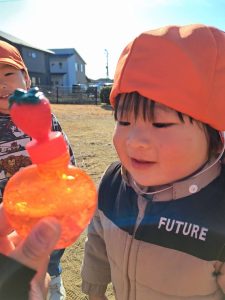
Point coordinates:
[(90, 26)]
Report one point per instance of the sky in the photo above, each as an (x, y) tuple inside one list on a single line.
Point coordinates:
[(96, 28)]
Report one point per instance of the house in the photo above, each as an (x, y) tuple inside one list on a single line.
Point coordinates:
[(36, 59), (67, 69)]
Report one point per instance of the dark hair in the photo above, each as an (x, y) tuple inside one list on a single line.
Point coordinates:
[(134, 102)]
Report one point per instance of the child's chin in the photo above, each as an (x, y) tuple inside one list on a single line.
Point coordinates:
[(4, 105), (4, 110)]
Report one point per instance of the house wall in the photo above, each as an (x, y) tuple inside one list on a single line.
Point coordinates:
[(59, 70), (62, 70), (68, 64), (71, 76), (58, 80), (34, 59), (80, 70), (37, 63)]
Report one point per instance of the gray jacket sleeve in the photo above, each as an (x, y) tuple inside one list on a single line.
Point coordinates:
[(15, 279), (95, 270)]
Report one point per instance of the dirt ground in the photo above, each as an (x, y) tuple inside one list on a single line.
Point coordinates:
[(89, 129)]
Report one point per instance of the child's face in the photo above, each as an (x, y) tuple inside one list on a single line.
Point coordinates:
[(10, 79), (160, 151)]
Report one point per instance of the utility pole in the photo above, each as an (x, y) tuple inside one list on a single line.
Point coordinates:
[(107, 63)]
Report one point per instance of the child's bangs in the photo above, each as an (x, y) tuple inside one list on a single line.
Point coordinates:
[(135, 104)]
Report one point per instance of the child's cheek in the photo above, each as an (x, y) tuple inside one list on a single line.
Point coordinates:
[(119, 137)]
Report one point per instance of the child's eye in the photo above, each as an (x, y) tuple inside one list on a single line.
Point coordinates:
[(123, 123), (8, 74), (162, 125)]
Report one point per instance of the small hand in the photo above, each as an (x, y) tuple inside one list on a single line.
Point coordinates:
[(33, 252)]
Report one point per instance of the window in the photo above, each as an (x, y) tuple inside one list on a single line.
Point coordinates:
[(60, 65), (76, 67), (32, 54), (33, 81), (81, 68)]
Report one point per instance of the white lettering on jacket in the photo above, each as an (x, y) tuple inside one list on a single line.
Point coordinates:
[(184, 228)]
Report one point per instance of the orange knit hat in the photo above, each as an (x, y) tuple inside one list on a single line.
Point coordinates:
[(9, 55), (182, 67)]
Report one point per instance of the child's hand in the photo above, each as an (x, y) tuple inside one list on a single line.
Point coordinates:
[(33, 252)]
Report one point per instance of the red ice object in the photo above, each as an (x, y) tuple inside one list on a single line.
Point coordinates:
[(50, 186)]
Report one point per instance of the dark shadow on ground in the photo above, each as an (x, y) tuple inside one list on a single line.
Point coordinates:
[(106, 106)]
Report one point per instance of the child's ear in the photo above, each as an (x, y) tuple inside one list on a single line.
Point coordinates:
[(28, 83), (27, 80)]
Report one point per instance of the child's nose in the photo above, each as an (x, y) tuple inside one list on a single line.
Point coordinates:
[(2, 85), (139, 138)]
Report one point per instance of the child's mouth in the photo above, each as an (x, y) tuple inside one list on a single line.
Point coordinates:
[(4, 96), (139, 163)]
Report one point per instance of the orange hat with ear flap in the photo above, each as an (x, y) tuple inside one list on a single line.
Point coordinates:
[(9, 55), (182, 67)]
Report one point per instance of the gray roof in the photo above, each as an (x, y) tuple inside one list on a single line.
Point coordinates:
[(18, 41), (66, 52)]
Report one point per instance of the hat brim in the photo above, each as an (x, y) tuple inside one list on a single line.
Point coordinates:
[(12, 63)]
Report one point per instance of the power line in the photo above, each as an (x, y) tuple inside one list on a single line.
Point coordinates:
[(2, 1)]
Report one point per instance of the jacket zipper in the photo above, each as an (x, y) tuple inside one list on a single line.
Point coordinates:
[(142, 204)]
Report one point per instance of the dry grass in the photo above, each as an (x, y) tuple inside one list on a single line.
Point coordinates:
[(89, 129)]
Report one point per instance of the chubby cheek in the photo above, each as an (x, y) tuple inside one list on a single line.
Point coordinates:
[(116, 140), (182, 158), (119, 142), (171, 156)]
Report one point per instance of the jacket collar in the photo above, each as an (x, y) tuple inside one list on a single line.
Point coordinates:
[(179, 189)]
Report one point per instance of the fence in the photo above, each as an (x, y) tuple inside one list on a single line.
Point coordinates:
[(68, 95)]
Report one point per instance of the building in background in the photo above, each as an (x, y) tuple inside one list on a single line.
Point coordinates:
[(37, 60), (51, 68), (67, 69)]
